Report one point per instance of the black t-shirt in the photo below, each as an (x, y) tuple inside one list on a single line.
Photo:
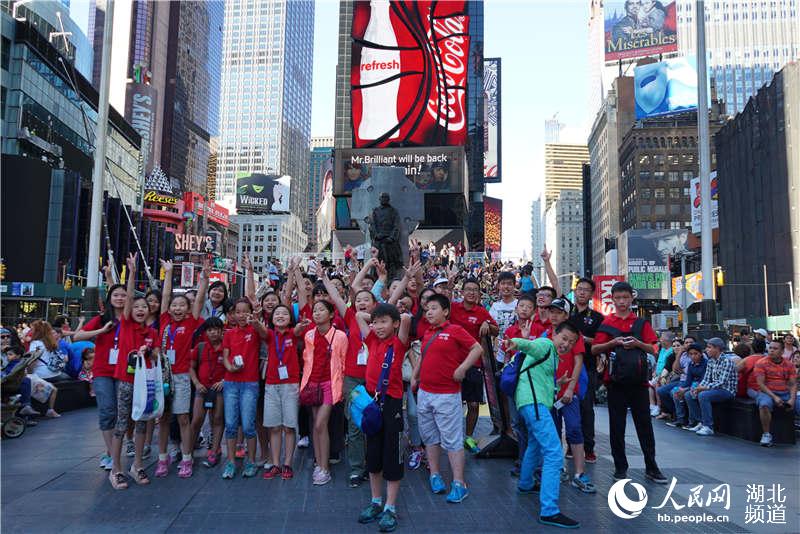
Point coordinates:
[(587, 322)]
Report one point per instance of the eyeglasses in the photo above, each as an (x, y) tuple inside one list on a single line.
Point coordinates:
[(5, 336)]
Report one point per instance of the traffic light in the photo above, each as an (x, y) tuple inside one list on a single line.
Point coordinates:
[(574, 282), (2, 270), (720, 278), (67, 284)]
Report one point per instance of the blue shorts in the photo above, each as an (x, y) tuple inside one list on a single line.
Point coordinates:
[(571, 413), (765, 401), (240, 403)]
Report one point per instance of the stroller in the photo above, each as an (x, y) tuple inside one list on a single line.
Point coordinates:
[(14, 425)]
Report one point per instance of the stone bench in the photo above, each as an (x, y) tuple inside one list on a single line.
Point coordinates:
[(739, 418)]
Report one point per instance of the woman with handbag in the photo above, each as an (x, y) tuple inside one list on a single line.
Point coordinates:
[(53, 361), (134, 334), (321, 385)]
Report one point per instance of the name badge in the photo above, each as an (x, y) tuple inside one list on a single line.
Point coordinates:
[(113, 356), (171, 356), (283, 372), (362, 355)]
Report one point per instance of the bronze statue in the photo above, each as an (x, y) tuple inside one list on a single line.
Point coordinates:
[(384, 229)]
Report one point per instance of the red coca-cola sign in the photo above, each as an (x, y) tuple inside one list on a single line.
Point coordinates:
[(409, 73)]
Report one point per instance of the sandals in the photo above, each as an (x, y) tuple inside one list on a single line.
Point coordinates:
[(139, 476), (118, 481)]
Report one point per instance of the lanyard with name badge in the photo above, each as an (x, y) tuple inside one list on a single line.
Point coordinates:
[(113, 354), (283, 372), (171, 350)]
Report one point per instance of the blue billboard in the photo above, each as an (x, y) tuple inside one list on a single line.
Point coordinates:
[(665, 87)]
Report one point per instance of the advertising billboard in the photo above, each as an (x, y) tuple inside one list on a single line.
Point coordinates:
[(697, 207), (665, 87), (602, 300), (636, 28), (492, 223), (694, 289), (263, 193), (644, 259), (409, 73), (327, 205), (491, 123), (434, 169), (141, 105)]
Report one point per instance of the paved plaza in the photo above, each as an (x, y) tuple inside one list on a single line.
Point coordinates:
[(51, 483)]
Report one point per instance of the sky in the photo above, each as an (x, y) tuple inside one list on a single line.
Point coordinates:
[(543, 47)]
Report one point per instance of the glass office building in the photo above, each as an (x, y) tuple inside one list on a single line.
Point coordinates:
[(265, 114)]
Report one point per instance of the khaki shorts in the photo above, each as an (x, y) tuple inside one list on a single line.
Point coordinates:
[(440, 419), (281, 403), (181, 393)]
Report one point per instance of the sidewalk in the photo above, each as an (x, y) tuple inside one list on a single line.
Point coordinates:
[(51, 482)]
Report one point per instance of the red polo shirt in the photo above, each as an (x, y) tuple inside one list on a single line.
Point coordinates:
[(377, 353), (471, 320), (354, 343), (210, 367), (178, 336), (131, 337), (242, 341), (288, 344), (442, 356)]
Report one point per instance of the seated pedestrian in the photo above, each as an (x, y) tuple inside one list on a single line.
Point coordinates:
[(777, 382), (694, 374), (718, 385), (534, 399)]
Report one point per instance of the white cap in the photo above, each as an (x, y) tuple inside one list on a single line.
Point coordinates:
[(441, 281), (760, 331)]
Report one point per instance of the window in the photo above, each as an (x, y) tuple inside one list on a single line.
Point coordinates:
[(675, 225), (674, 209), (660, 209), (659, 193), (673, 176), (644, 175), (5, 53), (659, 159), (645, 193), (644, 210), (687, 175), (674, 193), (658, 175)]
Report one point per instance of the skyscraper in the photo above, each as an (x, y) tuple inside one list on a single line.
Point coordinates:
[(266, 95), (747, 42), (537, 237), (563, 168), (165, 78), (564, 232), (321, 152), (552, 130), (612, 122)]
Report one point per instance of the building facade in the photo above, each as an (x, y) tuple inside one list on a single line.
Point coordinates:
[(758, 171), (537, 236), (563, 169), (564, 232), (321, 153), (746, 42), (266, 237), (657, 160), (616, 116), (552, 130), (266, 95)]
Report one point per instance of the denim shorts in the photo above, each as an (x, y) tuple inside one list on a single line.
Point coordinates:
[(240, 403), (105, 390)]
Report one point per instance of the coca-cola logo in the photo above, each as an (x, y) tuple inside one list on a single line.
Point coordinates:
[(451, 72)]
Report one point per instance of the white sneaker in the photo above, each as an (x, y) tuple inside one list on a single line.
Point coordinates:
[(766, 439), (303, 443), (130, 449), (28, 410), (704, 431), (693, 428), (654, 410)]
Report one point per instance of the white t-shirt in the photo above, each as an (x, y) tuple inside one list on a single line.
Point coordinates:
[(42, 370), (504, 315)]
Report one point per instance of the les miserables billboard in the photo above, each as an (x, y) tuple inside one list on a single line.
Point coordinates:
[(635, 28), (409, 73)]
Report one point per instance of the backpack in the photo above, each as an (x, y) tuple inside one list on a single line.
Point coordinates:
[(628, 366), (509, 376)]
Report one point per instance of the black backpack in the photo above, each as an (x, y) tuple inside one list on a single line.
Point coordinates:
[(628, 366)]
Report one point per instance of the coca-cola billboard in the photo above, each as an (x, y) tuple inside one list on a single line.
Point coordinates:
[(409, 73)]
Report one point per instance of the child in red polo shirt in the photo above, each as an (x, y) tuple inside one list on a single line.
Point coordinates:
[(240, 347), (389, 331), (448, 351), (207, 373)]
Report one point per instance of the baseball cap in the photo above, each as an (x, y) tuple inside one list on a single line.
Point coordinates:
[(5, 331), (760, 331), (441, 280), (716, 342), (561, 304)]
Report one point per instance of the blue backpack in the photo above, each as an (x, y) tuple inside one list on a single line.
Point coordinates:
[(509, 377)]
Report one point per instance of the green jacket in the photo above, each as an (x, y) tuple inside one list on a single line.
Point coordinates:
[(543, 375)]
